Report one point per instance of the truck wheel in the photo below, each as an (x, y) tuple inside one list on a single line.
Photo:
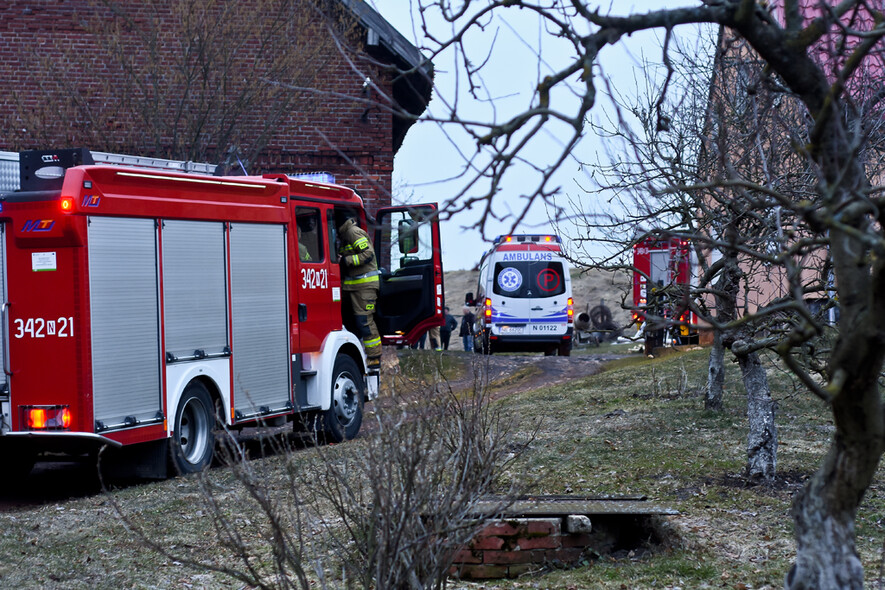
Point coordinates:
[(565, 348), (193, 437), (343, 419)]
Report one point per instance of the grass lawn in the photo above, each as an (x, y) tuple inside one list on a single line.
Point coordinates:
[(637, 428)]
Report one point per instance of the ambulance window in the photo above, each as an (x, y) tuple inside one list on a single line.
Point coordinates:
[(310, 244), (483, 277), (521, 278)]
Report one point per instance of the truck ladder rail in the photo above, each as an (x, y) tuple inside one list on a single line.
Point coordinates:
[(153, 163)]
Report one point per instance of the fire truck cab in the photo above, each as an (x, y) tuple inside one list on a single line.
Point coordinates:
[(141, 306)]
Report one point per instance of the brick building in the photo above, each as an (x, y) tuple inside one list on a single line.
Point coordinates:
[(757, 126), (274, 85)]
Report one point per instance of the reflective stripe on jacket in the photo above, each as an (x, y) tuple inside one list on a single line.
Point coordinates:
[(357, 257), (369, 277)]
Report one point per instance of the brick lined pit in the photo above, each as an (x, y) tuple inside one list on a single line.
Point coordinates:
[(508, 548), (536, 537)]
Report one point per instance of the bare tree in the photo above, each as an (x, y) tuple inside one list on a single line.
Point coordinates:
[(710, 123), (815, 53)]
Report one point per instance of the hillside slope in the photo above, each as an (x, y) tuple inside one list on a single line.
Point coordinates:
[(588, 289)]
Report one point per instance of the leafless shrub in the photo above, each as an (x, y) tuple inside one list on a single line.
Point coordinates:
[(388, 510), (679, 387), (406, 501), (259, 531)]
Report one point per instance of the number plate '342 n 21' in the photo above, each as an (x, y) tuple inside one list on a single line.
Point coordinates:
[(314, 278), (42, 328)]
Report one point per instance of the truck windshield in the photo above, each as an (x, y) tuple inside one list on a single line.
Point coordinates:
[(529, 279)]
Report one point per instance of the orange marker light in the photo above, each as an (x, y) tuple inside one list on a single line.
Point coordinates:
[(67, 204), (47, 418), (36, 418)]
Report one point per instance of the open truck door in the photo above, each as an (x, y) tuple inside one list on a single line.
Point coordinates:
[(407, 245)]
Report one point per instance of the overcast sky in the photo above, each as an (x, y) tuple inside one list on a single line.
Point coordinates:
[(431, 159)]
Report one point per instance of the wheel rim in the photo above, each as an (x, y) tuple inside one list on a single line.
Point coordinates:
[(193, 431), (345, 398)]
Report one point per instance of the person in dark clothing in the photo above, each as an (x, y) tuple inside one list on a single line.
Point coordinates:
[(421, 342), (445, 331), (466, 331)]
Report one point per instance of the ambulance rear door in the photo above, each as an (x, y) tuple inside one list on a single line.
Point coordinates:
[(530, 295)]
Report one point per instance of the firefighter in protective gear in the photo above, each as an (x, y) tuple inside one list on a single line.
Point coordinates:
[(360, 284)]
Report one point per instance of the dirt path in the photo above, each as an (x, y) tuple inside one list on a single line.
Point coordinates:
[(507, 374), (539, 371)]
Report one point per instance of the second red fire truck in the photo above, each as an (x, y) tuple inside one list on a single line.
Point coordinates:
[(140, 305), (664, 270)]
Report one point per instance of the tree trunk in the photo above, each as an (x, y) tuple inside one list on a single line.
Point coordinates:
[(762, 438), (715, 374), (726, 292), (824, 511), (826, 557)]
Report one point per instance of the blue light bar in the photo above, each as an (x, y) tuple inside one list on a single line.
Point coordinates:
[(314, 177)]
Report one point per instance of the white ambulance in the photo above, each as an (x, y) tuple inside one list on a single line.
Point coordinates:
[(524, 297)]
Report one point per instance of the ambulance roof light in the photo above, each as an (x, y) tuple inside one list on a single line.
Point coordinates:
[(527, 238)]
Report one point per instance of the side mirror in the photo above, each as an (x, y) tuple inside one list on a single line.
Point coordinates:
[(407, 237), (468, 300)]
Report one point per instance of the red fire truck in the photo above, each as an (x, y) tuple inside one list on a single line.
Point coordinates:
[(140, 305), (663, 271)]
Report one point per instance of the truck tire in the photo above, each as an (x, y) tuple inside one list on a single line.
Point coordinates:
[(344, 417), (565, 348), (193, 439)]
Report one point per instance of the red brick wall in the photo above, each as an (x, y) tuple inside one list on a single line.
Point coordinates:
[(63, 88), (509, 548)]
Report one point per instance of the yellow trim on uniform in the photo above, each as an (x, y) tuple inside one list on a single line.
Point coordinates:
[(361, 243), (372, 343), (372, 279)]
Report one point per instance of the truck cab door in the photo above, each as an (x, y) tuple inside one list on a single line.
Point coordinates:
[(317, 279), (407, 246)]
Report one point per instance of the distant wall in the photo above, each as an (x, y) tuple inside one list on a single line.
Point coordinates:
[(64, 87)]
